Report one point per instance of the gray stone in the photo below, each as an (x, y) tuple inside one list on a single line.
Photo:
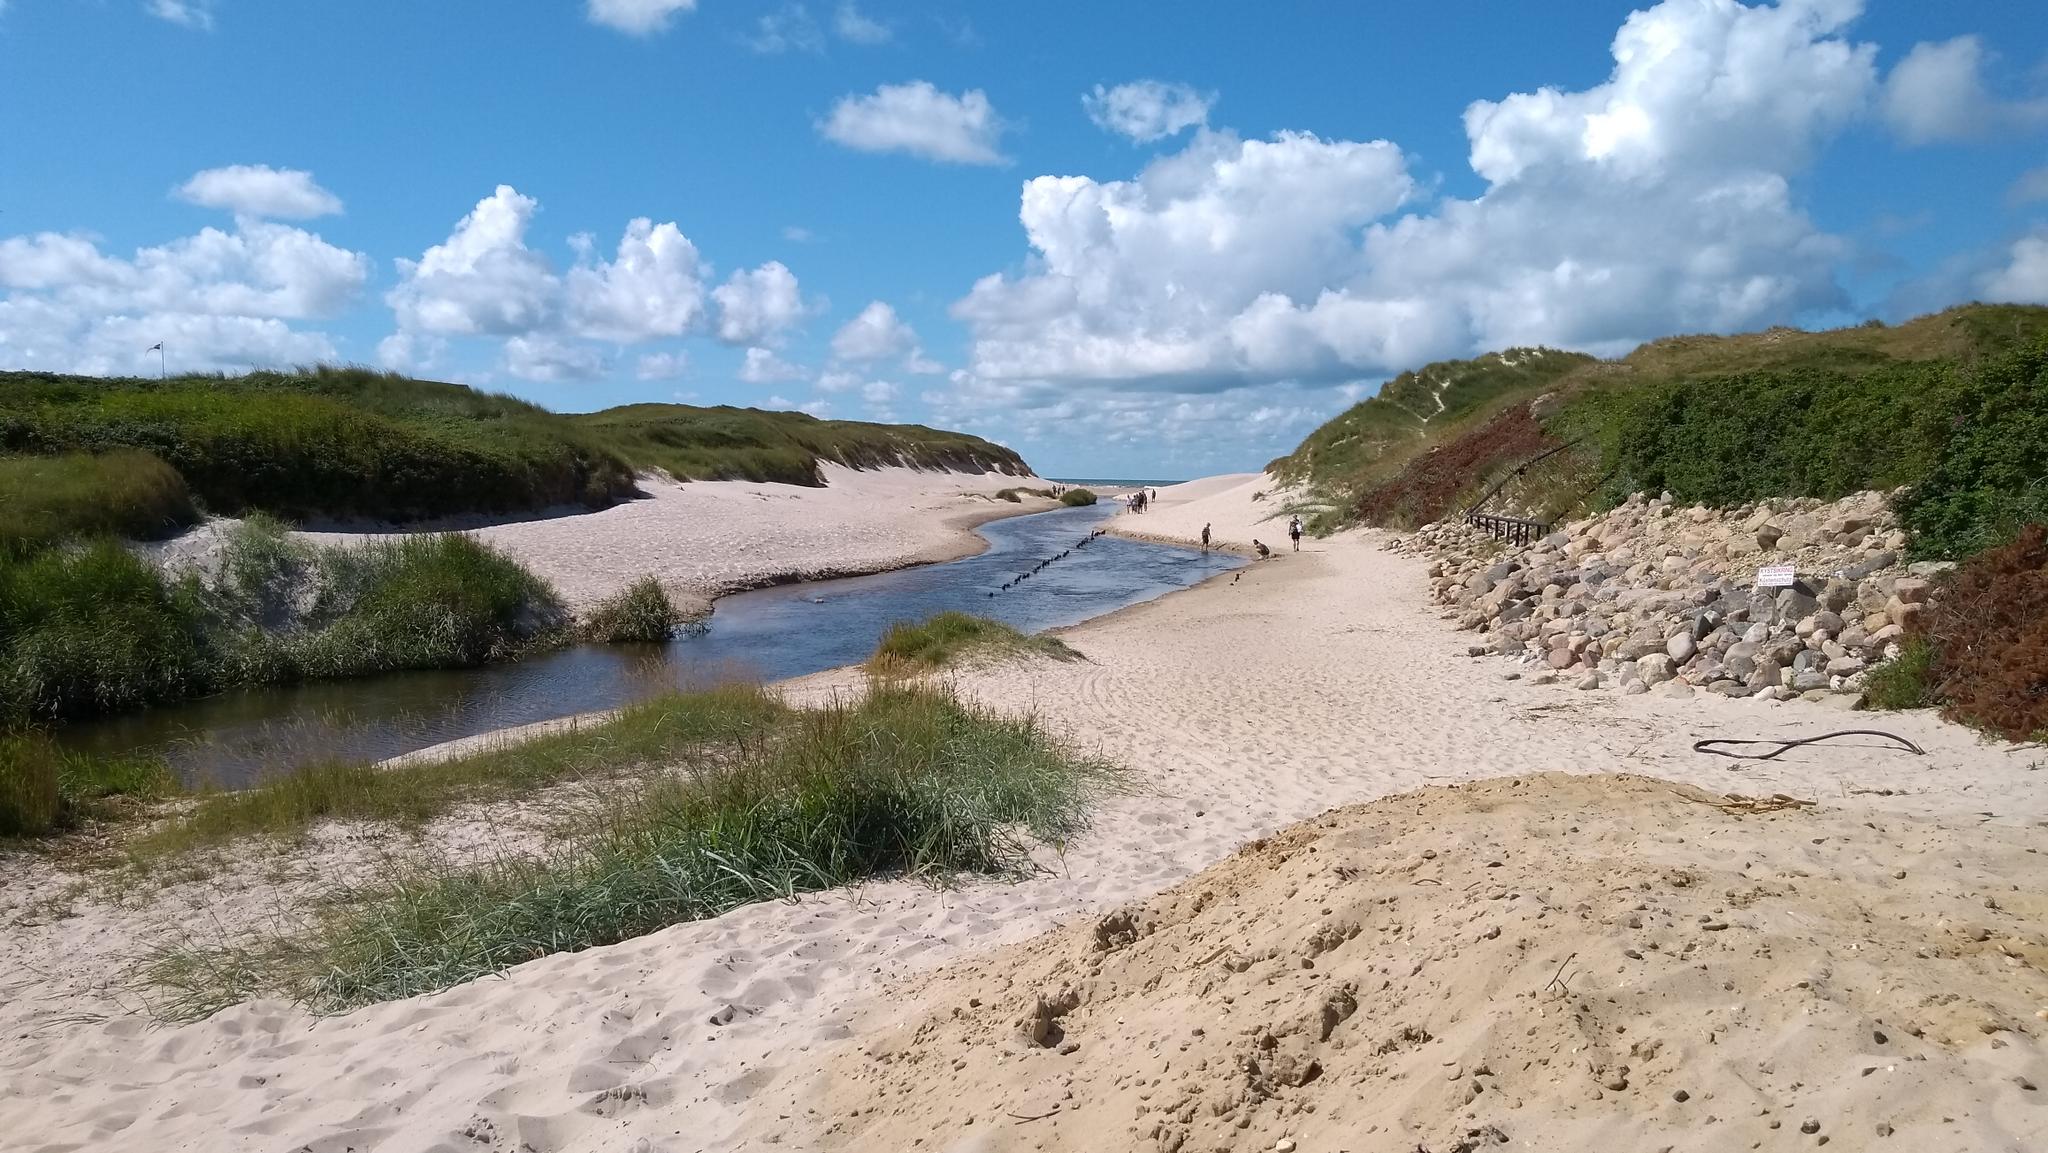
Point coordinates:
[(1837, 595), (1589, 681), (1844, 666), (1929, 569), (1740, 660), (1767, 537), (1681, 648), (1729, 688), (1807, 682), (1874, 562), (1656, 668)]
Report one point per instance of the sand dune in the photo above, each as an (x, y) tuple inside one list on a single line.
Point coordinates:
[(1313, 681)]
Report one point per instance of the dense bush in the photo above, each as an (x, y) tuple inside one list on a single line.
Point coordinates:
[(1990, 475), (1077, 497), (1726, 440), (87, 629), (44, 499), (420, 602), (91, 628), (641, 612), (1987, 631)]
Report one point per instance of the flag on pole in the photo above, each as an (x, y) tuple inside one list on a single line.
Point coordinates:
[(157, 347)]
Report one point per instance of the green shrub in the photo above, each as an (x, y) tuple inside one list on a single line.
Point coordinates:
[(946, 637), (639, 613), (1990, 475), (1905, 682), (89, 629), (45, 499), (1077, 497), (908, 781), (1810, 433), (420, 602)]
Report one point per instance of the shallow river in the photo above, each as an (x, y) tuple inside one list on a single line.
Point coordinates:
[(766, 635)]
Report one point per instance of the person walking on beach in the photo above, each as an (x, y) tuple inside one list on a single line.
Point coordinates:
[(1205, 538), (1294, 532)]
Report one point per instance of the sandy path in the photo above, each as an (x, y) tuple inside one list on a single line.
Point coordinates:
[(708, 538), (1313, 681)]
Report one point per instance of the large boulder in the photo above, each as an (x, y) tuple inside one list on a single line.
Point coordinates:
[(1681, 647)]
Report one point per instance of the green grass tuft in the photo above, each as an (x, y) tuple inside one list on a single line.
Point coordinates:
[(1905, 682), (1077, 497), (948, 637), (639, 613), (908, 781), (44, 788)]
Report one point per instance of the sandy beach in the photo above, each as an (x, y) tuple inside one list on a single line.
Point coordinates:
[(902, 1015)]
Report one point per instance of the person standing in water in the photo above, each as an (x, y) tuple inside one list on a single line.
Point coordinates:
[(1294, 532), (1205, 538)]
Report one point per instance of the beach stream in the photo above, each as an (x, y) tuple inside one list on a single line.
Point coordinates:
[(240, 737)]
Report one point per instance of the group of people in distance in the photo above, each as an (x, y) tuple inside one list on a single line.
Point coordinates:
[(1137, 501)]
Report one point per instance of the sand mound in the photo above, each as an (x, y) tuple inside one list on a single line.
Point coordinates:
[(1548, 962)]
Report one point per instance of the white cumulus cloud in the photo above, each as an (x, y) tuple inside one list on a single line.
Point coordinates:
[(756, 306), (1659, 200), (1146, 110), (221, 299), (920, 120), (636, 17), (545, 358), (762, 366), (483, 278), (2023, 279), (652, 287), (662, 366), (1938, 93), (876, 334), (260, 190)]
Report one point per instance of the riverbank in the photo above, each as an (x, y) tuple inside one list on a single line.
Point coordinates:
[(1242, 706), (707, 539)]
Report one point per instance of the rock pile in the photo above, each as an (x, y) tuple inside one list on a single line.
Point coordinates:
[(1651, 595)]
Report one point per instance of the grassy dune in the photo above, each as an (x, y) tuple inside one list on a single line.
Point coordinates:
[(1953, 406), (344, 442)]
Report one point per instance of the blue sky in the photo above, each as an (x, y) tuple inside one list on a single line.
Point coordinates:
[(1121, 238)]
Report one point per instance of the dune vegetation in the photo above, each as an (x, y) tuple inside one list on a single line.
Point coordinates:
[(712, 800), (950, 637), (1951, 407), (350, 442)]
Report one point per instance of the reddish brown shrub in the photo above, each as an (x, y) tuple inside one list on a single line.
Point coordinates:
[(1989, 626), (1430, 486)]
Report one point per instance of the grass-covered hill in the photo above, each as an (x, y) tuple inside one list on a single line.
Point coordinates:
[(335, 442), (1953, 407)]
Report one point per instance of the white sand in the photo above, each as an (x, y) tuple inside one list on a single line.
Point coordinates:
[(708, 538), (1315, 680)]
